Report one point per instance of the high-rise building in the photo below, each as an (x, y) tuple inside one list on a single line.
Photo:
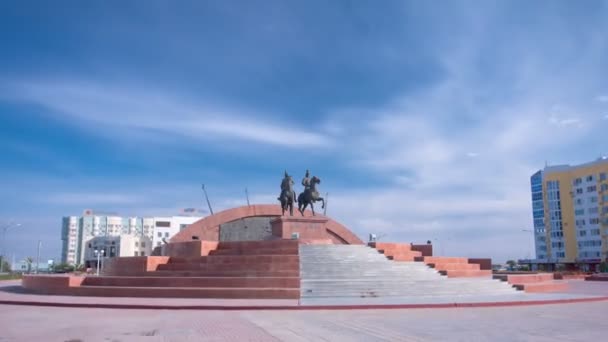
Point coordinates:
[(110, 233), (570, 215)]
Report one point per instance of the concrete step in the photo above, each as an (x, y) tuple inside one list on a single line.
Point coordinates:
[(240, 259), (445, 260), (524, 278), (224, 273), (256, 282), (546, 286), (186, 292), (454, 266), (232, 266), (390, 246), (262, 251), (256, 245), (466, 273), (401, 257)]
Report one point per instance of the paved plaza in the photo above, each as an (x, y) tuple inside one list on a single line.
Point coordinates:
[(551, 322), (560, 322)]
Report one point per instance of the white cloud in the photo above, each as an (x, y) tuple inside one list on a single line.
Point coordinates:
[(565, 122), (87, 200), (472, 154), (133, 109)]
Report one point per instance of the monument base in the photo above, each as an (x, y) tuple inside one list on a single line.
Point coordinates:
[(305, 229)]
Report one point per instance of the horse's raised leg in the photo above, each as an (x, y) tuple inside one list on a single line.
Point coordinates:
[(312, 207), (322, 201), (303, 206)]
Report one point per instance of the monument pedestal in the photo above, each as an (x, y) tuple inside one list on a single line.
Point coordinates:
[(308, 229)]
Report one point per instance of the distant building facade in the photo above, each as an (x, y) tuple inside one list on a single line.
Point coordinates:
[(570, 215), (116, 235)]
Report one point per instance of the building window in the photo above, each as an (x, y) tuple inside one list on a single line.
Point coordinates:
[(143, 253), (604, 187), (579, 212), (166, 234), (163, 224), (592, 188), (160, 234), (579, 191), (578, 181), (593, 210), (595, 232), (579, 201), (135, 253), (582, 233), (590, 178), (143, 244), (183, 226), (593, 199), (136, 244), (594, 221), (603, 176)]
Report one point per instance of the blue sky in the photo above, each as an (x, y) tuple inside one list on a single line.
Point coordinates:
[(424, 121)]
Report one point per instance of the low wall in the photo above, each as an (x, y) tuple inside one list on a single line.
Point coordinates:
[(132, 266), (484, 263), (51, 284), (426, 249), (189, 249)]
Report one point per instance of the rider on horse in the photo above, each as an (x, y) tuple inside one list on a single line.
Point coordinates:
[(286, 185), (306, 181)]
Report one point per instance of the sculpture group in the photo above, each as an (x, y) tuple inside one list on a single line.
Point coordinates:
[(307, 197)]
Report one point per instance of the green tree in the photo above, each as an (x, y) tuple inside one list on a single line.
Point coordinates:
[(511, 264), (29, 261), (6, 267)]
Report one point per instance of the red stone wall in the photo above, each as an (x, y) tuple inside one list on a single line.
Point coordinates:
[(186, 249), (426, 249), (132, 266), (308, 228), (208, 228), (51, 284), (484, 263)]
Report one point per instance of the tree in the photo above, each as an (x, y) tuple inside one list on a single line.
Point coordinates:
[(29, 261), (63, 268), (511, 264), (6, 267)]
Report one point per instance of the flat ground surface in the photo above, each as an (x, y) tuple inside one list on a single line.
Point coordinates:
[(557, 322)]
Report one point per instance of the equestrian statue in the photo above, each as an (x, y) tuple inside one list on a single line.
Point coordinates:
[(288, 195), (309, 196)]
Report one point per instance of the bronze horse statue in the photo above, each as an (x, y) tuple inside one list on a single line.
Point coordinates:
[(288, 196), (310, 196)]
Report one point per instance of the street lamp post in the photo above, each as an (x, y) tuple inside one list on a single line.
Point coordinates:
[(5, 228), (98, 254)]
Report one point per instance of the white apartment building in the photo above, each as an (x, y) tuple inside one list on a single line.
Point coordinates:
[(115, 234)]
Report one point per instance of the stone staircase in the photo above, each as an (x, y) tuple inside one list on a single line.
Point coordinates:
[(358, 271), (261, 269), (456, 267), (541, 282)]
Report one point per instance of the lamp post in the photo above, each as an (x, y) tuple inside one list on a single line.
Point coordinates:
[(5, 228), (98, 254)]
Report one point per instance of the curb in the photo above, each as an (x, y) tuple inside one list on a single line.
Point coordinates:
[(301, 307)]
